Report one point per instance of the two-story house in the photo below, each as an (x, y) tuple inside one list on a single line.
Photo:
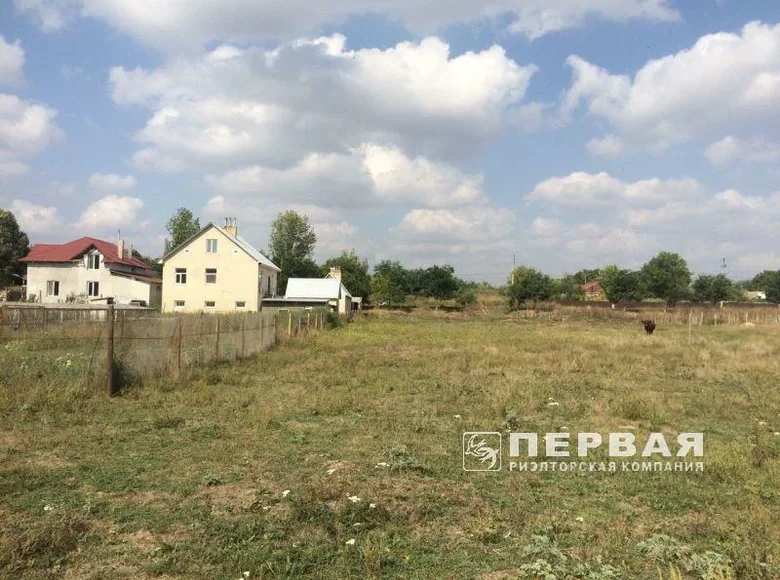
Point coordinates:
[(217, 270), (90, 270)]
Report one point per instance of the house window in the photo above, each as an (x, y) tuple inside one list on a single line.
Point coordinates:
[(178, 303), (211, 246), (181, 275), (93, 262), (93, 289), (211, 275), (53, 288), (269, 285), (241, 304), (210, 304)]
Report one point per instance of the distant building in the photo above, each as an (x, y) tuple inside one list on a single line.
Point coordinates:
[(90, 270), (328, 292), (217, 270), (593, 290), (757, 295)]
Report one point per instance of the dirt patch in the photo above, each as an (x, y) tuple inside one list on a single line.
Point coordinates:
[(227, 498)]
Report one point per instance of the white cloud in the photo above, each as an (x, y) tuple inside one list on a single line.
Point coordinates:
[(273, 107), (25, 130), (371, 174), (33, 218), (11, 61), (48, 15), (111, 181), (609, 146), (723, 80), (586, 190), (174, 24), (110, 211), (731, 149), (473, 224)]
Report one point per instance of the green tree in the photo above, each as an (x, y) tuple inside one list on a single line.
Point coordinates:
[(397, 277), (527, 284), (438, 282), (14, 244), (181, 227), (584, 276), (707, 288), (154, 263), (762, 281), (567, 288), (621, 285), (292, 247), (354, 272), (772, 287), (667, 276), (383, 289)]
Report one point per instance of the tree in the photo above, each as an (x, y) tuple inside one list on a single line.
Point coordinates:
[(762, 281), (397, 278), (438, 282), (14, 244), (527, 284), (667, 276), (354, 272), (584, 276), (567, 288), (772, 287), (181, 227), (292, 247), (621, 285), (154, 263), (707, 288), (383, 289)]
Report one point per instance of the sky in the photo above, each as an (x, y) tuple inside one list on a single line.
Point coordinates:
[(557, 134)]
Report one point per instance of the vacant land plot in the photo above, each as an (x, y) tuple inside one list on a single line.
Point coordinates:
[(339, 456)]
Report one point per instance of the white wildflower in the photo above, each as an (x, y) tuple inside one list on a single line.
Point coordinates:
[(553, 404), (777, 433), (381, 464), (456, 416), (353, 498), (246, 574), (331, 471), (350, 542), (372, 505), (285, 493), (47, 508), (762, 423), (579, 519), (356, 525)]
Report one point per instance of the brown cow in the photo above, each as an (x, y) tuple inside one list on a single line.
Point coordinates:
[(649, 326)]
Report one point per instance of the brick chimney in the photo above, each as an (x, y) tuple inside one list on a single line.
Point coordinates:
[(120, 246), (335, 272), (231, 227)]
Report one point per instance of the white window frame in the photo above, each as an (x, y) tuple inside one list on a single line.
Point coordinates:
[(93, 289), (179, 303), (240, 303), (52, 288), (210, 304), (211, 272), (181, 276), (211, 246), (93, 261)]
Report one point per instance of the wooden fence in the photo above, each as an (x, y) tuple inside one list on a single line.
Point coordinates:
[(115, 347)]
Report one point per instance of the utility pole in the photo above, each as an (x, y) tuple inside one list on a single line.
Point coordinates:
[(514, 266), (723, 266)]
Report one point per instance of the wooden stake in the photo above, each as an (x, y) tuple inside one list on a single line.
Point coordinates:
[(690, 321), (289, 324), (110, 382), (178, 347), (216, 347), (243, 336)]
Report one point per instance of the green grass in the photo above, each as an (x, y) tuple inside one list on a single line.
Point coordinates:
[(188, 480)]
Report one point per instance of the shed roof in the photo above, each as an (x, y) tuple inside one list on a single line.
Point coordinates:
[(77, 248), (323, 288)]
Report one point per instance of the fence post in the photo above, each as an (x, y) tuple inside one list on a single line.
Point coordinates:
[(110, 382), (690, 321), (243, 336), (45, 319), (178, 347), (216, 347), (262, 331), (308, 323), (289, 323), (2, 321)]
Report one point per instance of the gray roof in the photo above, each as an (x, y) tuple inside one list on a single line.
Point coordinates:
[(323, 288), (249, 249)]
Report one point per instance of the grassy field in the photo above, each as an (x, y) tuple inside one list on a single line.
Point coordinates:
[(339, 456)]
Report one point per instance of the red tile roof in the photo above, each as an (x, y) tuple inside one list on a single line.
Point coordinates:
[(77, 248)]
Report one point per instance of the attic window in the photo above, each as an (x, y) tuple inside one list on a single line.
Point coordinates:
[(211, 246), (93, 261)]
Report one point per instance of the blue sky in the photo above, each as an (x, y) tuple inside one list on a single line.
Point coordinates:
[(568, 133)]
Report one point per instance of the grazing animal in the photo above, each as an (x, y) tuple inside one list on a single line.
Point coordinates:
[(649, 326)]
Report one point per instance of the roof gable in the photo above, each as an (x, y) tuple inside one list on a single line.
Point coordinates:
[(238, 241), (322, 288), (58, 253)]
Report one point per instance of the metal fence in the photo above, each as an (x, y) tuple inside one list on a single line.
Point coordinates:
[(108, 347)]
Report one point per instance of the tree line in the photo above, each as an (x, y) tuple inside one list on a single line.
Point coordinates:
[(292, 242), (666, 277)]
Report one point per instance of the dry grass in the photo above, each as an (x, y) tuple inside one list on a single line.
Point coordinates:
[(187, 480)]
